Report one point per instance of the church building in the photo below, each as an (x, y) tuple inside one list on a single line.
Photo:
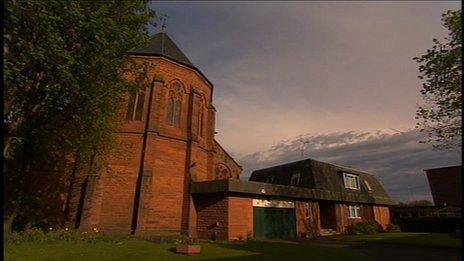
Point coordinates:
[(169, 176)]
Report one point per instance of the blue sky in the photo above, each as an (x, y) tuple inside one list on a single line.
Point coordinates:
[(319, 72)]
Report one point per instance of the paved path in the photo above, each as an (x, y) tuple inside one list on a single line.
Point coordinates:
[(392, 252)]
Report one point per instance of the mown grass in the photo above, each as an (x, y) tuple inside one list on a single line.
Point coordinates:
[(138, 249), (409, 238)]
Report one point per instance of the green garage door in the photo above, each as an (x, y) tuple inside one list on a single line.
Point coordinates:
[(273, 222)]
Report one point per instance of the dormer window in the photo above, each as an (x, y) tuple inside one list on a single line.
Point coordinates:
[(351, 181), (295, 180), (269, 179), (367, 185)]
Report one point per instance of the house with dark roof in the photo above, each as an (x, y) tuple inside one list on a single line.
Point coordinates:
[(167, 175), (298, 199)]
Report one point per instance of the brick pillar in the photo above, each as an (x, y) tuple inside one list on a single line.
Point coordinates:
[(91, 205), (144, 200)]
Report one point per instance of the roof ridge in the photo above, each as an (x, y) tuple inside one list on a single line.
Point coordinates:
[(162, 44)]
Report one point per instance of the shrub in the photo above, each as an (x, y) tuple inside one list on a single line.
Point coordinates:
[(430, 224), (35, 235), (393, 228), (365, 227)]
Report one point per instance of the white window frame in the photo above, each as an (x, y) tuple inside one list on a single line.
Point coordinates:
[(295, 176), (368, 186), (354, 211), (347, 177)]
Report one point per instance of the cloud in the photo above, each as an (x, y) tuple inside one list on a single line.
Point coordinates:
[(396, 159), (282, 69)]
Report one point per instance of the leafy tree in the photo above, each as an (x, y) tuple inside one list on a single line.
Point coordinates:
[(441, 70), (66, 69)]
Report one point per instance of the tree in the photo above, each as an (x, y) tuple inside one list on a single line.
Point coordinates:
[(65, 72), (441, 69)]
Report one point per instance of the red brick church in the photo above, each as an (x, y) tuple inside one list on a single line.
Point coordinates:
[(168, 175)]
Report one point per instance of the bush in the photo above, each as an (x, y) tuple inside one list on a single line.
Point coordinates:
[(393, 228), (35, 235), (365, 227), (430, 224)]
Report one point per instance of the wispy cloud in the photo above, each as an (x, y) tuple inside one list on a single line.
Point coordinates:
[(396, 159)]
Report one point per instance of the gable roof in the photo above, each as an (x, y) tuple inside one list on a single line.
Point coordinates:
[(162, 45), (321, 176)]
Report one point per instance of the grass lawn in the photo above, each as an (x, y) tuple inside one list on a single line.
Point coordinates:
[(144, 250), (408, 238)]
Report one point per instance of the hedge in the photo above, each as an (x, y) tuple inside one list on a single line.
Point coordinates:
[(430, 224)]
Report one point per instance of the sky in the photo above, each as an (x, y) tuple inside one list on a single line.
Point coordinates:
[(336, 75)]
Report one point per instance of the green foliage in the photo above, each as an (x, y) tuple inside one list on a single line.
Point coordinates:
[(430, 224), (186, 241), (65, 72), (63, 235), (393, 228), (365, 227), (441, 71)]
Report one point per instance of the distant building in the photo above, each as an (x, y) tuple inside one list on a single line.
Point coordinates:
[(445, 184)]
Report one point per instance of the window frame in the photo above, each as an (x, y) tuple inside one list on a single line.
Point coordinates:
[(346, 177), (354, 209), (136, 105), (174, 105), (269, 179), (368, 186), (295, 174)]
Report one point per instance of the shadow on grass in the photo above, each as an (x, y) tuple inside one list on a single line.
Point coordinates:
[(264, 250)]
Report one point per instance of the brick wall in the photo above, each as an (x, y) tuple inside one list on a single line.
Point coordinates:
[(212, 215), (341, 213), (222, 157), (382, 215), (305, 226), (240, 218), (173, 157)]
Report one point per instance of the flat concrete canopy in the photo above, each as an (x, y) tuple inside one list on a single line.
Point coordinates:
[(260, 190)]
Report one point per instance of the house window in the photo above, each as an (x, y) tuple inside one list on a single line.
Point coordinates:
[(295, 180), (174, 108), (135, 106), (354, 212), (351, 181), (367, 185), (269, 179)]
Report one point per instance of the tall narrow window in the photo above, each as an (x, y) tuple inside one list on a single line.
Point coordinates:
[(200, 121), (174, 109), (135, 106)]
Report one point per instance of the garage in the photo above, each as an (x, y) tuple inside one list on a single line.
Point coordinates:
[(273, 219)]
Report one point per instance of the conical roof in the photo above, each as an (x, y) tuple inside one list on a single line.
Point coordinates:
[(162, 45)]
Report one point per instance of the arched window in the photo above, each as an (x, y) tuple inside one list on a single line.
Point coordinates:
[(222, 172), (135, 106), (174, 109)]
